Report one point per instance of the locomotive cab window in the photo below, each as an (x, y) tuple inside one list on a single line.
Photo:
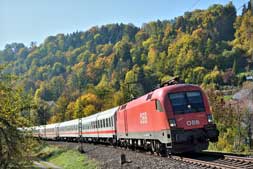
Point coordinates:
[(187, 102)]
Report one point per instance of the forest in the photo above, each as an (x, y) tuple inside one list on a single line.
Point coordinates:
[(81, 73)]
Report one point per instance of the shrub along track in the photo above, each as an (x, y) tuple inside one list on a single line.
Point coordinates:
[(110, 157)]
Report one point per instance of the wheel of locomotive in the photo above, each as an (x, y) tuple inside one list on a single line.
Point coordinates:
[(133, 145), (157, 147), (163, 150), (125, 144), (145, 145), (152, 146)]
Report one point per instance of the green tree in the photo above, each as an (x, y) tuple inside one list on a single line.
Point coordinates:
[(14, 145)]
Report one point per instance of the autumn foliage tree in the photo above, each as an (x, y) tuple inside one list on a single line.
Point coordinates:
[(14, 145)]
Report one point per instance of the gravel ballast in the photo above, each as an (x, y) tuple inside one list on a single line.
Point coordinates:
[(110, 157)]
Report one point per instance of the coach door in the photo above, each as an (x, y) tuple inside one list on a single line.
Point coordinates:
[(97, 126), (125, 122), (57, 130), (80, 128)]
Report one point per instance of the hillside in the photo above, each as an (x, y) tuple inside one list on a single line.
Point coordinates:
[(85, 72)]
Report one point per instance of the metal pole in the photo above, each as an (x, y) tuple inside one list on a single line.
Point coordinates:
[(250, 132), (80, 127), (250, 112)]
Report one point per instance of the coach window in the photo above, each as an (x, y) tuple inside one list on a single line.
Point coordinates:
[(158, 106), (109, 119), (103, 122)]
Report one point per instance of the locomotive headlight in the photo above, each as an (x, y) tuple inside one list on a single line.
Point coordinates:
[(209, 118), (173, 123)]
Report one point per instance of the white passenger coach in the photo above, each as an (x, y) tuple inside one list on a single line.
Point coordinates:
[(98, 126)]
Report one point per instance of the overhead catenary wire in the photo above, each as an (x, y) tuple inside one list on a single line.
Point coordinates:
[(194, 4)]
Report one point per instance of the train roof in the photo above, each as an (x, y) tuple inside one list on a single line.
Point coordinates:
[(103, 114), (70, 122), (158, 93), (52, 125)]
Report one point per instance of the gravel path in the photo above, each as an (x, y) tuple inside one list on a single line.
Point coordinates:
[(109, 157)]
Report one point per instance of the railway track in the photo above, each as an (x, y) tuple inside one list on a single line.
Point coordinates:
[(203, 160), (218, 161)]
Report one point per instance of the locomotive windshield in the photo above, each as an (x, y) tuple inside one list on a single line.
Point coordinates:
[(187, 102)]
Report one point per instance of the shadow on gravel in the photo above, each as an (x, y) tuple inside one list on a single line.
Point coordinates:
[(87, 150), (202, 156)]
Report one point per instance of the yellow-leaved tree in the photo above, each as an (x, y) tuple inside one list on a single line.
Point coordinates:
[(14, 146)]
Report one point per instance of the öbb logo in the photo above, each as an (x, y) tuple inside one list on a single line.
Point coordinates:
[(143, 118), (192, 122)]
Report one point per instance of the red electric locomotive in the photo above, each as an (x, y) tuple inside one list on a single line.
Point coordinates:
[(171, 119)]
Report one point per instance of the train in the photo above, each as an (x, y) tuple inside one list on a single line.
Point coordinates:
[(174, 118)]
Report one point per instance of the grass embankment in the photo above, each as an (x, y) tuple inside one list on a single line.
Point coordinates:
[(65, 158)]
